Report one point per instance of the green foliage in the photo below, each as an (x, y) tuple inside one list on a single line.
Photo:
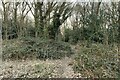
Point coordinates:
[(97, 61), (113, 34), (43, 70), (35, 48), (72, 36), (96, 37), (67, 35), (11, 31), (31, 31), (54, 26), (51, 31)]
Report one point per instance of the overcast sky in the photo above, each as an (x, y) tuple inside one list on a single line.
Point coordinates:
[(66, 0), (62, 0), (59, 1)]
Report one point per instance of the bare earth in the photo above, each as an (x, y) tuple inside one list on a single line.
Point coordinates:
[(60, 69)]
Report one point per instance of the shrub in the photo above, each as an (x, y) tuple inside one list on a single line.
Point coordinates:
[(72, 36), (35, 48), (44, 70), (31, 31), (97, 61), (80, 34)]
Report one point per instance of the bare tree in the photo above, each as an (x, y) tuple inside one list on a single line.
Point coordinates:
[(119, 26), (5, 6)]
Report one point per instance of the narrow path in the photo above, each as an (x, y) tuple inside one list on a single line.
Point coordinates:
[(65, 65), (62, 68)]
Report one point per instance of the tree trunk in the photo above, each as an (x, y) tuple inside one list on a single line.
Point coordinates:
[(41, 18), (5, 21), (36, 18), (119, 27)]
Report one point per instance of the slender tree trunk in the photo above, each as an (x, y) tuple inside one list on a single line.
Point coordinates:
[(119, 27), (36, 26), (105, 36), (5, 21), (15, 20), (36, 18), (41, 18), (22, 27)]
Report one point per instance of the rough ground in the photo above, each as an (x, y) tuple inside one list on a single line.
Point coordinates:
[(60, 68), (50, 68)]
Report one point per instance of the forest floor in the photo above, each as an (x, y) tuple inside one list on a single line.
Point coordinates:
[(61, 68), (94, 61)]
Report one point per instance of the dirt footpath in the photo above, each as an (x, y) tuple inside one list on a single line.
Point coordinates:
[(37, 68)]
